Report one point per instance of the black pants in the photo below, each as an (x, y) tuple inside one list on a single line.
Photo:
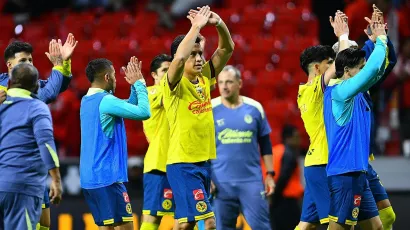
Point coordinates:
[(285, 213)]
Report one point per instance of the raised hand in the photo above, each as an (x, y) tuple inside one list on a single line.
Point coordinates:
[(340, 26), (68, 48), (54, 53), (213, 19), (378, 29), (201, 18), (133, 71), (378, 13), (377, 17)]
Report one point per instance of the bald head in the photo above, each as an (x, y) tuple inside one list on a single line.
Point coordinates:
[(24, 76)]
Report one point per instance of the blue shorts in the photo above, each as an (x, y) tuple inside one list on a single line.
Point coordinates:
[(19, 211), (248, 197), (190, 183), (158, 197), (351, 199), (46, 200), (315, 208), (378, 191), (109, 205)]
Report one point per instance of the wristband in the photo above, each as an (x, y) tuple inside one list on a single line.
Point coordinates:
[(272, 173), (344, 37), (219, 22)]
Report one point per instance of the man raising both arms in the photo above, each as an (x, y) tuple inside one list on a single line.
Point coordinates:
[(187, 102)]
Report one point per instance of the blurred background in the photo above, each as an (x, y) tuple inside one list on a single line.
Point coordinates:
[(269, 36)]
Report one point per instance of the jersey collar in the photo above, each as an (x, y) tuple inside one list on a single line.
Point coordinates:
[(18, 92), (333, 82)]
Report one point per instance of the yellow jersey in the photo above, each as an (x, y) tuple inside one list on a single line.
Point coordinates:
[(189, 112), (156, 130), (310, 103)]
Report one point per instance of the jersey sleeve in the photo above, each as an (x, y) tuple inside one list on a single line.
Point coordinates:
[(114, 106), (367, 77), (166, 89), (264, 127), (43, 132), (155, 98), (56, 83), (208, 71)]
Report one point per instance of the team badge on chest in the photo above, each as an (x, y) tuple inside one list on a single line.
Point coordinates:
[(248, 119)]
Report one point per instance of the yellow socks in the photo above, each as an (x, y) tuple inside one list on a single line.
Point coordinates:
[(387, 217), (297, 228), (149, 226)]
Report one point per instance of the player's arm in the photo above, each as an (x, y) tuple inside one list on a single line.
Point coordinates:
[(341, 30), (176, 69), (367, 77), (43, 132), (289, 163), (390, 63), (265, 146), (137, 106)]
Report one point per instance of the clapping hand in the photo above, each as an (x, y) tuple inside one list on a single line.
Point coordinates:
[(133, 71), (68, 48), (54, 53), (212, 20), (201, 17), (339, 25)]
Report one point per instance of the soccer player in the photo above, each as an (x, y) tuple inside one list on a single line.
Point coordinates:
[(242, 136), (27, 152), (386, 212), (60, 56), (348, 121), (316, 62), (187, 102), (103, 159), (158, 197)]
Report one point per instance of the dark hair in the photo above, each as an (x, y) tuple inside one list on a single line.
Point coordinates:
[(315, 54), (350, 58), (97, 67), (158, 60), (24, 76), (287, 132), (177, 41), (17, 47)]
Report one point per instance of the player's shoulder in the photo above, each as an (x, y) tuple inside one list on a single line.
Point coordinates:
[(154, 89), (253, 104), (216, 102)]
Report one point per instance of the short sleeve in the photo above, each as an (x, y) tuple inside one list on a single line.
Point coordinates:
[(264, 128), (155, 97), (166, 89), (208, 71)]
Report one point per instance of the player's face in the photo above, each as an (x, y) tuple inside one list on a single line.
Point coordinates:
[(324, 65), (353, 71), (19, 58), (111, 81), (228, 84), (159, 74), (194, 63)]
